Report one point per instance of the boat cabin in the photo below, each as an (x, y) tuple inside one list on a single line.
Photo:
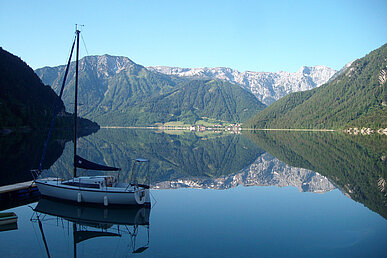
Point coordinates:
[(96, 182)]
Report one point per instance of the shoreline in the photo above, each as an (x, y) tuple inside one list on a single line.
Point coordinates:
[(299, 130), (186, 128), (129, 127), (239, 129)]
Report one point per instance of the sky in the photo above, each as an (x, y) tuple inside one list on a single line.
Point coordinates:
[(267, 36)]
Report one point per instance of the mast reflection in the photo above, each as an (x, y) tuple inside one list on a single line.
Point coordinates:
[(87, 222)]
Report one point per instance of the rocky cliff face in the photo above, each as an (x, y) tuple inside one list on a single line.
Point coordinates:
[(101, 67), (266, 86), (107, 65), (265, 171)]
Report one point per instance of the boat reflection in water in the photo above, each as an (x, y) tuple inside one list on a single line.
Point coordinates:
[(91, 222)]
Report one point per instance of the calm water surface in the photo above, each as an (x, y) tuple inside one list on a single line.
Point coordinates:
[(220, 195)]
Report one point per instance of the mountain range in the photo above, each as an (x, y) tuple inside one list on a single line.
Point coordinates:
[(355, 97), (268, 87), (115, 91)]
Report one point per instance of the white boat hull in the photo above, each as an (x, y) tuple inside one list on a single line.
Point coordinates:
[(108, 196)]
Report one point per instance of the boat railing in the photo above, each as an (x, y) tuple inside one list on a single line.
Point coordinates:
[(36, 173)]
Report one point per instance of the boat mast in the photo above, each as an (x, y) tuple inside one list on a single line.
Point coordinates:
[(76, 100)]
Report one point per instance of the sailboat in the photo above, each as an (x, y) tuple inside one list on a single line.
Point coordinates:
[(105, 189)]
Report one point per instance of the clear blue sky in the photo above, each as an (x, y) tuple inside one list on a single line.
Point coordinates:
[(245, 35)]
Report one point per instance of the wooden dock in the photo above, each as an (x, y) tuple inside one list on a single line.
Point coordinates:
[(18, 194), (16, 187)]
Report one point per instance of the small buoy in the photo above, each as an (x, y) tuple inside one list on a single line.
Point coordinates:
[(79, 197), (105, 200)]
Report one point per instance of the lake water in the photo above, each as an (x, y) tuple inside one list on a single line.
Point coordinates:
[(263, 194)]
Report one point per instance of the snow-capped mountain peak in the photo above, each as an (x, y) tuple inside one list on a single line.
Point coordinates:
[(268, 87)]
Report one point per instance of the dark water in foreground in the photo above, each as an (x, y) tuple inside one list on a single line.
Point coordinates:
[(220, 195)]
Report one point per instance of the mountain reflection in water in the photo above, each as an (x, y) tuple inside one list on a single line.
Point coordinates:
[(272, 220), (312, 162), (355, 164), (173, 155), (266, 170)]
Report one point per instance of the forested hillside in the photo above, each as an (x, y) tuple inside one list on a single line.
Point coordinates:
[(198, 100), (25, 101)]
